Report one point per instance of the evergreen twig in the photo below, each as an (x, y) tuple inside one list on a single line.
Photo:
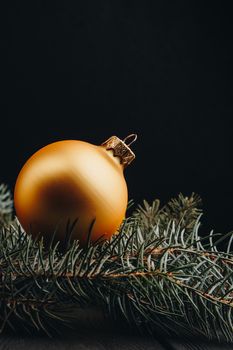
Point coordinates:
[(6, 204), (157, 274)]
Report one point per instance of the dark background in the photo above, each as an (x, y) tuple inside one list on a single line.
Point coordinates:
[(88, 70)]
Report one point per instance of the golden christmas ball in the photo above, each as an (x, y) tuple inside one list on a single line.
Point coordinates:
[(74, 182)]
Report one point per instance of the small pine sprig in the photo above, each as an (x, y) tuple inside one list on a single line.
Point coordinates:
[(157, 275), (6, 204), (183, 210)]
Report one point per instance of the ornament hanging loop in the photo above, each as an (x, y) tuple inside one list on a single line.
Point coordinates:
[(133, 138), (120, 148)]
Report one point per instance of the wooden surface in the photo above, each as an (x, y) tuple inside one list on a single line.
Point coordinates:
[(93, 331), (104, 341)]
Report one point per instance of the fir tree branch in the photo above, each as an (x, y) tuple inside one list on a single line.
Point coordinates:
[(157, 274)]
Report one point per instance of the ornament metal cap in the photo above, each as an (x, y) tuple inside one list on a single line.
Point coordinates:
[(121, 148)]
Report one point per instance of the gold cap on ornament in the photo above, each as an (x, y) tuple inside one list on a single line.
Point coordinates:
[(121, 148)]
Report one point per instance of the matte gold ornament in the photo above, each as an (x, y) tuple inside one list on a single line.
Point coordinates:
[(69, 180)]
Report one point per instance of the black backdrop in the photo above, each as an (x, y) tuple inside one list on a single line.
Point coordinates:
[(88, 70)]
